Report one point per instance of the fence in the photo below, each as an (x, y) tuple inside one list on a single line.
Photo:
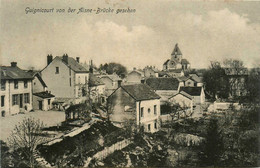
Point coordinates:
[(108, 150)]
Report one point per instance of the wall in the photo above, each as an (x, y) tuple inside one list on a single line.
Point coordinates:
[(189, 82), (148, 118), (182, 101), (134, 77), (37, 85), (59, 84), (117, 102), (166, 94), (6, 95)]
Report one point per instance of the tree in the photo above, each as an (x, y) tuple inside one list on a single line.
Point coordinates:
[(215, 83), (213, 147), (25, 137), (117, 68), (253, 85)]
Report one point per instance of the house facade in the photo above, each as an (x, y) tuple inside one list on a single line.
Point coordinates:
[(183, 99), (43, 100), (65, 77), (134, 77), (16, 90), (112, 82), (137, 102)]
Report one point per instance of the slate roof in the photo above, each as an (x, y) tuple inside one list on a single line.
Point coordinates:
[(163, 83), (184, 61), (184, 94), (196, 78), (140, 92), (37, 74), (113, 77), (94, 81), (74, 65), (176, 50), (193, 91), (182, 78), (9, 72), (44, 94)]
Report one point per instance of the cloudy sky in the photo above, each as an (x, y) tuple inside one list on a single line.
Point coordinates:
[(205, 31)]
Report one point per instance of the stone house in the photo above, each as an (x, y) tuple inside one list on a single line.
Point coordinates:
[(197, 93), (112, 82), (137, 102), (96, 89), (65, 77), (134, 77), (16, 90)]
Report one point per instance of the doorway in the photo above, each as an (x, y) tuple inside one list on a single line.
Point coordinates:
[(40, 104)]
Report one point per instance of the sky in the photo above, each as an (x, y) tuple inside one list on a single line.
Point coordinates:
[(205, 31)]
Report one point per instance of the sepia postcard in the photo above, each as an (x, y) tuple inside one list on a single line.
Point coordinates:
[(129, 83)]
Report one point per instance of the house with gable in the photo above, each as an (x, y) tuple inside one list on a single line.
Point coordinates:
[(183, 99), (112, 82), (65, 77), (136, 102), (16, 90), (176, 63), (134, 77), (197, 93), (164, 87)]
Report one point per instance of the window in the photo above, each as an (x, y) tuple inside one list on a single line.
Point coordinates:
[(25, 84), (15, 99), (2, 85), (16, 84), (57, 70), (149, 127), (142, 112), (149, 110), (155, 109), (2, 101), (155, 125), (49, 101), (70, 81), (26, 98)]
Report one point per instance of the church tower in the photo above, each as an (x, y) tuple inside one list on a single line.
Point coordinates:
[(176, 54)]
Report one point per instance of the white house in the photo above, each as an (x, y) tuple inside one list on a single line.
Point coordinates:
[(16, 90), (137, 102), (183, 99), (65, 77), (197, 93)]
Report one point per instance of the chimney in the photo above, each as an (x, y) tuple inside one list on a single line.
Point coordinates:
[(13, 64), (134, 68), (65, 58), (77, 58), (49, 59)]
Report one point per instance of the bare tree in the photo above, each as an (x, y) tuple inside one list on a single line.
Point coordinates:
[(26, 136)]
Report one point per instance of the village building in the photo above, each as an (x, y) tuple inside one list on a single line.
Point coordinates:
[(176, 62), (112, 82), (66, 78), (237, 79), (16, 90), (165, 87), (137, 102), (96, 89), (134, 77), (150, 71), (197, 93), (183, 99), (43, 100)]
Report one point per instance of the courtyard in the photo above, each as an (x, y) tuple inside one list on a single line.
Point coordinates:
[(49, 118)]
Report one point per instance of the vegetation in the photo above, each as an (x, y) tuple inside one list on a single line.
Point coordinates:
[(112, 67)]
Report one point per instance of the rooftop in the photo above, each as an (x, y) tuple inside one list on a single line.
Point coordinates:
[(193, 91), (74, 65), (163, 83), (140, 92), (14, 72), (184, 94), (44, 94), (94, 80)]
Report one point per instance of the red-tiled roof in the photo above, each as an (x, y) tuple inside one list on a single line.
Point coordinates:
[(163, 83), (140, 92)]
